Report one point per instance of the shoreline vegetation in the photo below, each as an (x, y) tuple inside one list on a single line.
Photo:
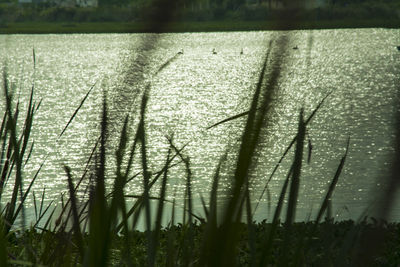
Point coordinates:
[(138, 16), (178, 27)]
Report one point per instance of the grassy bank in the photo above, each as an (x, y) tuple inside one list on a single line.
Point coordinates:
[(208, 26), (325, 243)]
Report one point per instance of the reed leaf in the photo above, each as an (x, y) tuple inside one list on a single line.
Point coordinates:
[(206, 254), (308, 120), (12, 128), (267, 245), (332, 186), (293, 191), (160, 211), (171, 236), (250, 229), (74, 208), (295, 182), (76, 111), (3, 244), (25, 195), (99, 234)]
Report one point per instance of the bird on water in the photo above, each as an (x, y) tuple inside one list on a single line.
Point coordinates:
[(214, 52)]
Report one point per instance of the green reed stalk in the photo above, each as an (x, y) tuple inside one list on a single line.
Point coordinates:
[(99, 234), (11, 127), (295, 182), (211, 231), (3, 244), (308, 120), (332, 186), (233, 212), (75, 217), (160, 211), (294, 189), (267, 245), (171, 237), (76, 111), (250, 229)]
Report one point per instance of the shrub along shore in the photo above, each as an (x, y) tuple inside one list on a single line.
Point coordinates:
[(323, 245), (191, 26)]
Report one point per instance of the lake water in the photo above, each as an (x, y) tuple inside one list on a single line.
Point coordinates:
[(197, 89)]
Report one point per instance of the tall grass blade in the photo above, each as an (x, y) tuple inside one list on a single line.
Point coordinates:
[(228, 235), (25, 195), (29, 154), (42, 200), (229, 119), (171, 236), (206, 255), (187, 209), (146, 174), (205, 209), (325, 203), (35, 204), (74, 208), (250, 229), (160, 210), (267, 245), (310, 148), (118, 200), (12, 128), (3, 244), (295, 182), (76, 111), (289, 147), (34, 57), (99, 234), (41, 215), (28, 124), (293, 191), (139, 203)]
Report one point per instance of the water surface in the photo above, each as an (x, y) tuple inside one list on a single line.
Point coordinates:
[(199, 88)]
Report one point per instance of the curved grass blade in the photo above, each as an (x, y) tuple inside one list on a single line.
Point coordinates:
[(229, 119)]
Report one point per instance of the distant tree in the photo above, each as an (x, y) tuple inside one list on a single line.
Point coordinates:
[(113, 2), (235, 4)]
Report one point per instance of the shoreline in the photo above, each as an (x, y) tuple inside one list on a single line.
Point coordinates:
[(180, 27)]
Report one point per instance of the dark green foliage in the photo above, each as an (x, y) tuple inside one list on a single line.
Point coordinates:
[(325, 246), (232, 10)]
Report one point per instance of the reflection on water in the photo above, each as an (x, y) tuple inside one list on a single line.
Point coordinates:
[(199, 88)]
